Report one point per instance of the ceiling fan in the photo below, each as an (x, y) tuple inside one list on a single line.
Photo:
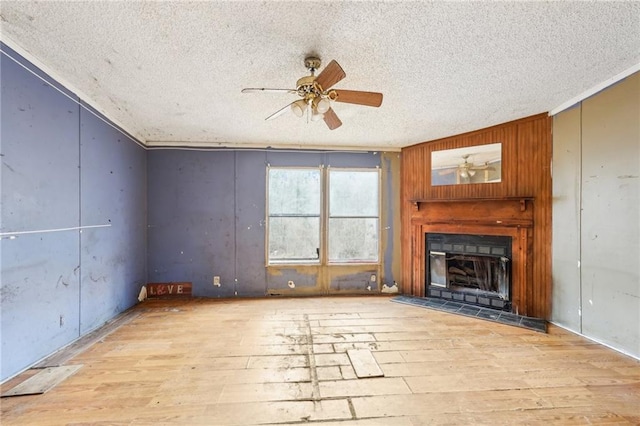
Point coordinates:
[(466, 170), (317, 96)]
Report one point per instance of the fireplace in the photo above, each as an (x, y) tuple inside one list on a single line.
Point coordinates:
[(493, 228), (473, 269)]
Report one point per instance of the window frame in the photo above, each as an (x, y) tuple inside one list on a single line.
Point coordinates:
[(327, 218), (324, 217), (270, 262)]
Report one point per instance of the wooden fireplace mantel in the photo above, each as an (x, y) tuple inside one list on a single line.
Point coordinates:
[(521, 200), (502, 212)]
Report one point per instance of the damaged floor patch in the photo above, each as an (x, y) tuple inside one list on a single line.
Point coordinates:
[(364, 363), (44, 380)]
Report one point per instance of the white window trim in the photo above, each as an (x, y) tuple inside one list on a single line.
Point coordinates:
[(267, 219), (327, 193), (324, 218)]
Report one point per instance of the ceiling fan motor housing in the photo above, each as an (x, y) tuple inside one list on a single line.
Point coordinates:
[(312, 63), (306, 84)]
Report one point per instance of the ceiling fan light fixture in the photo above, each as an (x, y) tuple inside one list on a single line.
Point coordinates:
[(466, 172), (322, 105), (299, 107)]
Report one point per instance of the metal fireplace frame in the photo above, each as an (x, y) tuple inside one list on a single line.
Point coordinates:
[(441, 250)]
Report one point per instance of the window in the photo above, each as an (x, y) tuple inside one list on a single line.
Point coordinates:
[(294, 215), (353, 216), (323, 216)]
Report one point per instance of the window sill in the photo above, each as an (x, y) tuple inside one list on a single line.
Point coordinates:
[(332, 264)]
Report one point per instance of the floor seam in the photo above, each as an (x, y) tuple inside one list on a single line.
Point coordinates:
[(315, 386)]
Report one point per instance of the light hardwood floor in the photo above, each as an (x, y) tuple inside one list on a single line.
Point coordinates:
[(284, 361)]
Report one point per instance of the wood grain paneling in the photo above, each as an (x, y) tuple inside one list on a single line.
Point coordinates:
[(526, 174)]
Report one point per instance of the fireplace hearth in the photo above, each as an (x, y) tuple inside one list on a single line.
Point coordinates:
[(471, 269)]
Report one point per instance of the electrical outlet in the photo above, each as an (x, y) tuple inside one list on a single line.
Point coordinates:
[(216, 280), (373, 278)]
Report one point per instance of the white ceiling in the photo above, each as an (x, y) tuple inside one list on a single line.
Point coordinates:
[(170, 73)]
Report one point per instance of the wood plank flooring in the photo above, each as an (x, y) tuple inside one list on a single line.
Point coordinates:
[(284, 361)]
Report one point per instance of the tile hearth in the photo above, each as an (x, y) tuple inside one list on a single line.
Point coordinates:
[(502, 317)]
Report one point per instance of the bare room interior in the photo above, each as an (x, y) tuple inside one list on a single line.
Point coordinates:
[(332, 212)]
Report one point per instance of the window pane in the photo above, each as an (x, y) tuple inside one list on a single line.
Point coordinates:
[(294, 191), (353, 193), (294, 238), (353, 240)]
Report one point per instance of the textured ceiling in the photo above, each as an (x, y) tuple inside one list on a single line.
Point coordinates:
[(171, 72)]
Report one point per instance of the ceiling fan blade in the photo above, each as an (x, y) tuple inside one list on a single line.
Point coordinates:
[(263, 89), (330, 75), (279, 112), (332, 120), (372, 99), (447, 171)]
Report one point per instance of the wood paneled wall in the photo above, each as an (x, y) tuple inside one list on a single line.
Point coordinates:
[(526, 172)]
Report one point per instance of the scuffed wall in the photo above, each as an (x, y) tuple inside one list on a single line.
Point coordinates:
[(73, 216), (113, 192), (596, 217), (207, 219)]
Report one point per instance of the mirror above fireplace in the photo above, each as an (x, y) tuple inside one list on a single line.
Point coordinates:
[(473, 164)]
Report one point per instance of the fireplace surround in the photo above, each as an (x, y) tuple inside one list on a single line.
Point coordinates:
[(507, 219)]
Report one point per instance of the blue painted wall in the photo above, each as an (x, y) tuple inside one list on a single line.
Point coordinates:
[(113, 192), (63, 169), (191, 230), (207, 217)]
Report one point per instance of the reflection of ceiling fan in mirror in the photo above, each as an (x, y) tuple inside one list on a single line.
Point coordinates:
[(317, 97), (466, 170)]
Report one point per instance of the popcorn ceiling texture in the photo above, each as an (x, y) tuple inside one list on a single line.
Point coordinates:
[(171, 72)]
